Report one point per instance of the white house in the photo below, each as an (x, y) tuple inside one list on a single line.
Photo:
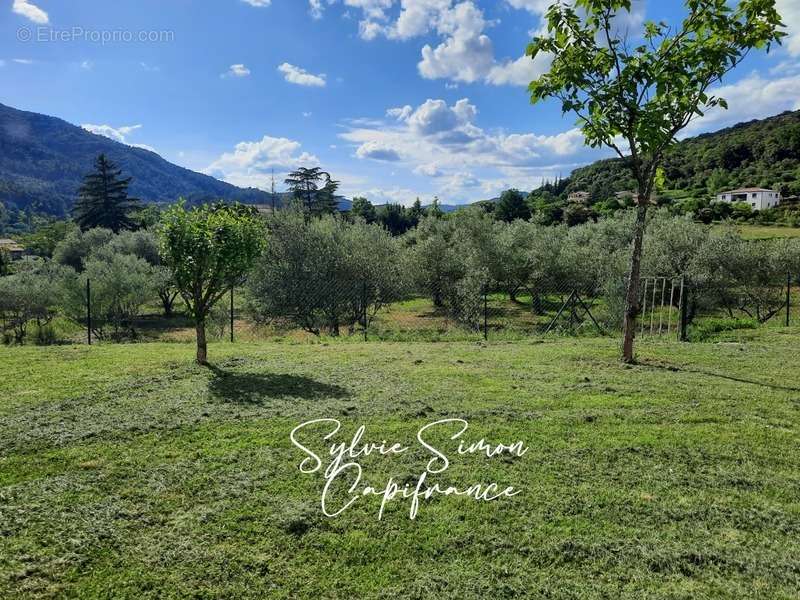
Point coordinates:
[(757, 198), (580, 197)]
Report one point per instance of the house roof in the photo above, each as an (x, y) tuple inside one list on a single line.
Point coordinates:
[(745, 190), (10, 245)]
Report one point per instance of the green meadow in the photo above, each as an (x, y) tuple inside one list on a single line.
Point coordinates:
[(127, 471)]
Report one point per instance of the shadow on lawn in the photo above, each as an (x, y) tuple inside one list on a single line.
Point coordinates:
[(766, 384), (254, 388)]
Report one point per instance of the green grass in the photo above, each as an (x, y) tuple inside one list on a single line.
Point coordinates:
[(763, 232), (128, 472)]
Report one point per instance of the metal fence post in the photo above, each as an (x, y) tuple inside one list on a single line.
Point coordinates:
[(684, 311), (88, 312), (788, 296), (486, 313), (231, 314), (364, 309)]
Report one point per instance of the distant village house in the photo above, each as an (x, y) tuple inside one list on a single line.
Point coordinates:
[(757, 198), (13, 248), (580, 197)]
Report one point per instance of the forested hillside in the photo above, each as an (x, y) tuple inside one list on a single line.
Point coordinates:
[(764, 153), (43, 160)]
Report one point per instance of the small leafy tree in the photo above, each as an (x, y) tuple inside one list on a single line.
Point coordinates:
[(103, 199), (121, 285), (76, 247), (31, 295), (635, 99), (324, 273), (209, 250)]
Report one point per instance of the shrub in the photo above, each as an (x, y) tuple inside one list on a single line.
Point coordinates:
[(31, 295), (324, 273)]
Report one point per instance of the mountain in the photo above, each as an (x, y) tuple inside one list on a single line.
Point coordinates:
[(760, 153), (43, 161)]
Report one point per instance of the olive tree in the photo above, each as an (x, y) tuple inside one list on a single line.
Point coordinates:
[(120, 286), (636, 97), (33, 294), (324, 273), (209, 249), (748, 276)]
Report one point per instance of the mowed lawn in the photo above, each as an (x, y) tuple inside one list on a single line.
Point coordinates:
[(128, 472)]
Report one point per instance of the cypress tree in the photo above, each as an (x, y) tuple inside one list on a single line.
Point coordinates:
[(103, 199)]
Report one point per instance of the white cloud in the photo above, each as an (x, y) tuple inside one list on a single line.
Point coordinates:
[(377, 151), (299, 76), (394, 195), (87, 65), (465, 53), (750, 98), (30, 11), (251, 163), (258, 3), (444, 142), (22, 61), (238, 70), (118, 134), (428, 170), (519, 72), (790, 11)]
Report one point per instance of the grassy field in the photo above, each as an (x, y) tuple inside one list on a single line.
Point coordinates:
[(128, 472), (763, 232)]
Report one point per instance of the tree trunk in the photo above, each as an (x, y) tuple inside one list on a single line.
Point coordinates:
[(202, 346), (632, 291)]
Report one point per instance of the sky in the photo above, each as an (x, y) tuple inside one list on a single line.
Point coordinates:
[(397, 99)]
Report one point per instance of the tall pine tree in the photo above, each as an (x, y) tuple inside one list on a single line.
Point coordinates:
[(315, 189), (103, 199)]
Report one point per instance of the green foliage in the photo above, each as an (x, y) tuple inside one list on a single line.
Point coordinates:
[(512, 206), (324, 273), (363, 209), (103, 199), (315, 189), (5, 262), (397, 219), (120, 285), (33, 294), (745, 276), (42, 241), (209, 249), (76, 246), (706, 330), (645, 94)]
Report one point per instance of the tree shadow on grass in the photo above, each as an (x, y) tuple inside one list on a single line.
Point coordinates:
[(683, 369), (255, 388)]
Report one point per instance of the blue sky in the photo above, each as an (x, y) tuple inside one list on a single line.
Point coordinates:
[(397, 98)]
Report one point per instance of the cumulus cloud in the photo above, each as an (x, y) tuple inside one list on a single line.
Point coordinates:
[(444, 142), (251, 163), (30, 11), (118, 134), (377, 151), (465, 52), (750, 98), (790, 11), (299, 76), (238, 70)]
